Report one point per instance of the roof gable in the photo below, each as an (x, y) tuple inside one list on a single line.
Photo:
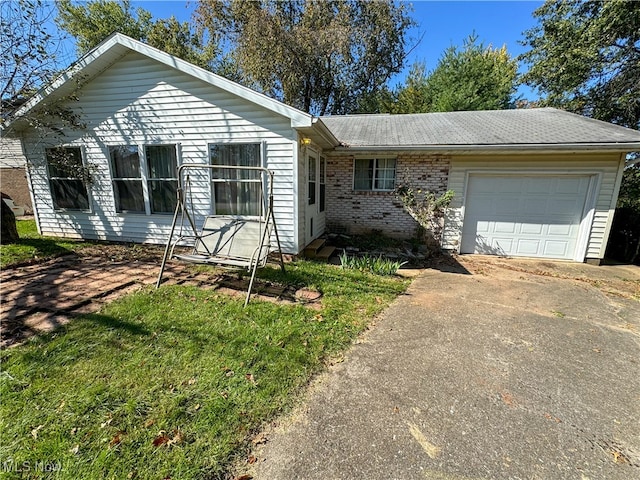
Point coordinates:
[(117, 46)]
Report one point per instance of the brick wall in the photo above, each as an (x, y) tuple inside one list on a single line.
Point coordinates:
[(13, 182), (355, 212)]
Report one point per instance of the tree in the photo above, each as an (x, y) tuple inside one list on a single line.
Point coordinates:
[(90, 23), (472, 78), (319, 56), (29, 59), (585, 58), (29, 53)]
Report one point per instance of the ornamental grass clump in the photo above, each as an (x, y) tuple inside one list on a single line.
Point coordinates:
[(367, 263)]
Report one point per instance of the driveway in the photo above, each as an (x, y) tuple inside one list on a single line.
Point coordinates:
[(512, 370)]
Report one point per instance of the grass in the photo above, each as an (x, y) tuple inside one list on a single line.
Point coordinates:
[(33, 246), (173, 383)]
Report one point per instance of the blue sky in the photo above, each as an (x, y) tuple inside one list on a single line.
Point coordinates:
[(443, 23)]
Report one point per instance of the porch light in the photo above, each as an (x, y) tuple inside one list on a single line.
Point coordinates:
[(305, 141)]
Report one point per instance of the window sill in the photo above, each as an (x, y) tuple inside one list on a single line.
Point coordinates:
[(372, 192)]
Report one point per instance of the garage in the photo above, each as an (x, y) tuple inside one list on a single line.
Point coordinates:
[(526, 215)]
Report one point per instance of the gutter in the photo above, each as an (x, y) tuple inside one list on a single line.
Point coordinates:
[(530, 147), (325, 133)]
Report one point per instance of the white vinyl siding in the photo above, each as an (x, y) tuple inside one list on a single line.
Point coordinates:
[(603, 166), (139, 101), (11, 153)]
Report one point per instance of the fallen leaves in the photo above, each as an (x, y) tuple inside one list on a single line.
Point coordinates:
[(177, 437), (34, 432), (548, 416), (108, 422), (259, 439), (117, 439), (619, 457), (161, 439), (508, 399), (430, 449)]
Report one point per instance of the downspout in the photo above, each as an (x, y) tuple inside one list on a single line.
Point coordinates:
[(27, 169), (612, 206)]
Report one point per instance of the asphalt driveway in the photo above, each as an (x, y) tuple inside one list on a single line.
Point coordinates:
[(516, 369)]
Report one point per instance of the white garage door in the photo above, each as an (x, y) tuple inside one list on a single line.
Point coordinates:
[(531, 216)]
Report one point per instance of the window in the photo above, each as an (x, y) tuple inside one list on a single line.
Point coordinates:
[(162, 181), (236, 192), (323, 180), (66, 178), (312, 180), (127, 179), (374, 174)]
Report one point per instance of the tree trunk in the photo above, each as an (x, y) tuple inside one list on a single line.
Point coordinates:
[(9, 232)]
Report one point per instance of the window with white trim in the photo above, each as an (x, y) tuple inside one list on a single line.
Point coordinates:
[(67, 178), (144, 183), (127, 179), (236, 192), (374, 174)]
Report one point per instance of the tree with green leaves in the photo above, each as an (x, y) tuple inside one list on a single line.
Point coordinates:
[(585, 57), (474, 77), (29, 59), (318, 56), (91, 22)]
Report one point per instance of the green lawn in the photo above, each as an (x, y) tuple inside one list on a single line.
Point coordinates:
[(33, 246), (173, 383)]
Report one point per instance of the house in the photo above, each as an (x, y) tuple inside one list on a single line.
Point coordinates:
[(539, 182), (13, 175)]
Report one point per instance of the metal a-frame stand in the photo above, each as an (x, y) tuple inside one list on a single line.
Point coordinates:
[(232, 241)]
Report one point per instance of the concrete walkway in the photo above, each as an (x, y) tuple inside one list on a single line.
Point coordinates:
[(511, 371)]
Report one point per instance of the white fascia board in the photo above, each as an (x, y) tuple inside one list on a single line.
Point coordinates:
[(326, 134), (298, 117)]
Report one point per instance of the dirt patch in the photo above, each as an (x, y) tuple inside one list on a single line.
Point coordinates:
[(123, 252), (612, 280)]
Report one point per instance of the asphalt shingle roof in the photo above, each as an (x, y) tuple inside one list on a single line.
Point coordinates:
[(538, 126)]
